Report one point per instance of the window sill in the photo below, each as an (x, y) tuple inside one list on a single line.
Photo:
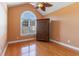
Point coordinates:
[(28, 34)]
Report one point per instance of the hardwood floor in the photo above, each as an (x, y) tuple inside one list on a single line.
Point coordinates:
[(37, 48)]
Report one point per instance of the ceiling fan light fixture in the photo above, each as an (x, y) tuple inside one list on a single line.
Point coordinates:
[(40, 5)]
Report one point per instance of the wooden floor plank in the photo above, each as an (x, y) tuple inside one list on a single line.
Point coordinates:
[(37, 48)]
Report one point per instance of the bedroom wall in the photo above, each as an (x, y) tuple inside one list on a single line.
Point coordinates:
[(66, 24), (3, 26), (14, 20)]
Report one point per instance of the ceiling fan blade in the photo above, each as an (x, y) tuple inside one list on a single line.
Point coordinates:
[(37, 7), (43, 8), (43, 5), (48, 5)]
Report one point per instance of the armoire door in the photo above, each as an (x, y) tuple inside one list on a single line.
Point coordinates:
[(42, 30)]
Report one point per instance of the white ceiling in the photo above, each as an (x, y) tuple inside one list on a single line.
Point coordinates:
[(56, 6), (11, 4)]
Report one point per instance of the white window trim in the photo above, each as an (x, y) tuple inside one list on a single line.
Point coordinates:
[(28, 25)]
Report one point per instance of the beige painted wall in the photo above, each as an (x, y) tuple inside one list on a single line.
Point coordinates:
[(3, 26), (14, 14), (68, 28)]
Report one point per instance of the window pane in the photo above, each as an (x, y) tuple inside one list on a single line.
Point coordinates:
[(32, 23), (25, 26)]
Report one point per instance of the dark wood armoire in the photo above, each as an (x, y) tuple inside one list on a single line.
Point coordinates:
[(42, 30)]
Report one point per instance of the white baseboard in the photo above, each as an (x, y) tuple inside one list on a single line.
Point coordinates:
[(69, 46), (3, 53), (21, 40)]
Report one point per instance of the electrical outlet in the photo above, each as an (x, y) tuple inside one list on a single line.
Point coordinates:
[(68, 41)]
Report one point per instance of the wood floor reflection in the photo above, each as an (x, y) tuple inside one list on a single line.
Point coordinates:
[(37, 48)]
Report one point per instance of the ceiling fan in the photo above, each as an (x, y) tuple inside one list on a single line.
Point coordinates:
[(43, 5)]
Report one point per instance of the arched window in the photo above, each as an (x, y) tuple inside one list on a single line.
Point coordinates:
[(28, 23)]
